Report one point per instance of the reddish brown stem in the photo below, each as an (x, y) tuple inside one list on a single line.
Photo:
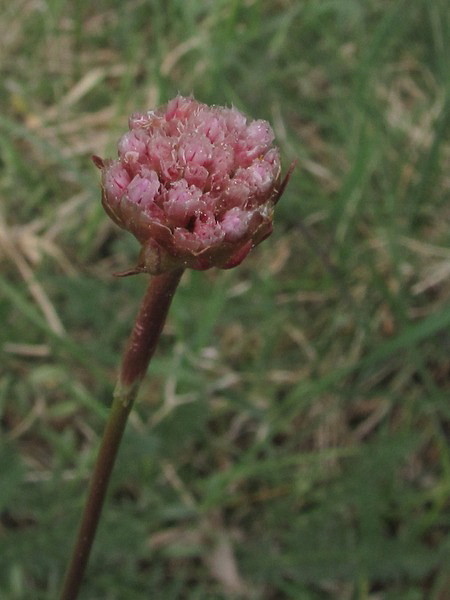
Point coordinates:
[(138, 352)]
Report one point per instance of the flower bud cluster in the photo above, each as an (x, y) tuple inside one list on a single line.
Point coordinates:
[(195, 184)]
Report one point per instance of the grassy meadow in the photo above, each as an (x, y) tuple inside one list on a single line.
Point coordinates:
[(291, 439)]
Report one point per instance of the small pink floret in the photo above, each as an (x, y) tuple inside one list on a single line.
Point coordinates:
[(183, 204), (234, 224), (143, 189), (116, 180)]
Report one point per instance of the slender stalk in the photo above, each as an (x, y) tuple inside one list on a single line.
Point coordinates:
[(138, 352)]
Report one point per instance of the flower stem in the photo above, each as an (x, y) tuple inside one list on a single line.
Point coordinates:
[(138, 352)]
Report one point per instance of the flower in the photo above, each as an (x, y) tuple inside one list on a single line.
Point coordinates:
[(196, 185)]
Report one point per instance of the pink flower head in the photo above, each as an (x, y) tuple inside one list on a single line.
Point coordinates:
[(195, 184)]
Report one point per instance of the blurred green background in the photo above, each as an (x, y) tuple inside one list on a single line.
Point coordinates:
[(291, 440)]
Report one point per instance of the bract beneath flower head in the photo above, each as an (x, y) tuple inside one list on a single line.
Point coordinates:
[(195, 184)]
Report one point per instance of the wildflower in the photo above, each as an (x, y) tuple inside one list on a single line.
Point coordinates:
[(196, 185)]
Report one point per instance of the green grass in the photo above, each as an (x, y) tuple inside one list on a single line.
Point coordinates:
[(291, 440)]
